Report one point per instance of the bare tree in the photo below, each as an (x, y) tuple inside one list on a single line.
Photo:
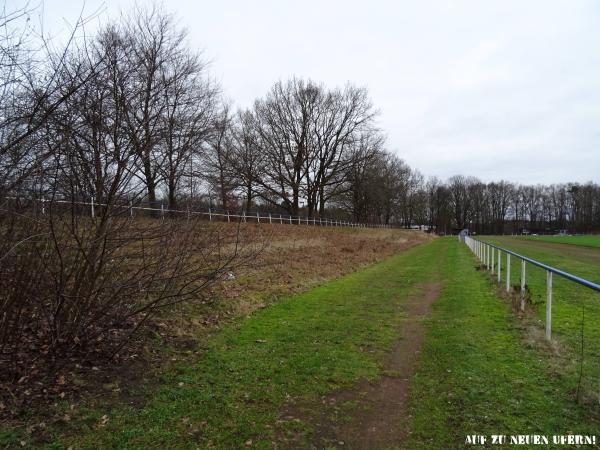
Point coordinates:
[(93, 155), (217, 161), (155, 46), (30, 93), (189, 119), (284, 126), (461, 202), (341, 118), (246, 156)]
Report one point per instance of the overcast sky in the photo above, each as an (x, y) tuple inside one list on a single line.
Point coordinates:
[(494, 89)]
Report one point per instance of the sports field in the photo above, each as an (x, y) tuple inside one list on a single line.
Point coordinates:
[(586, 241)]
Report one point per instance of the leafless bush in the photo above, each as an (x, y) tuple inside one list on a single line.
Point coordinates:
[(71, 286)]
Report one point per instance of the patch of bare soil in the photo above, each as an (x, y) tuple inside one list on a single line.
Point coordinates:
[(374, 414)]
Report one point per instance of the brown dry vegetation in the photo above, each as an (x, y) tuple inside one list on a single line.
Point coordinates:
[(288, 259), (296, 258)]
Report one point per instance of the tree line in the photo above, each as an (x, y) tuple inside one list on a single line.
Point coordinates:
[(132, 115), (507, 208)]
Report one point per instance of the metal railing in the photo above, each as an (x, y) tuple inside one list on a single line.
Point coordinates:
[(491, 257)]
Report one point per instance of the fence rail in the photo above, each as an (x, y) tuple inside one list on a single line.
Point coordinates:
[(485, 252), (216, 214)]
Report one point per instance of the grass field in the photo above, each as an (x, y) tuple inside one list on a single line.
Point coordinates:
[(587, 241), (575, 309), (480, 370)]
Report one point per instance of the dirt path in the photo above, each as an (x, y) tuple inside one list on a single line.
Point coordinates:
[(373, 415)]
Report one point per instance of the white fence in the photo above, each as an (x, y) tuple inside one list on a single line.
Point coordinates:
[(491, 257), (220, 215)]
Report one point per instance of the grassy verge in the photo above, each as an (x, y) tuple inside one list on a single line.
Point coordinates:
[(575, 309), (303, 346), (476, 376)]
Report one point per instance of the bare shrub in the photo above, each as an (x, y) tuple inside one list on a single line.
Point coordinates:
[(72, 286)]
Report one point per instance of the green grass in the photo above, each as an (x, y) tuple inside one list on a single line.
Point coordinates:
[(587, 241), (575, 309), (581, 261), (304, 346), (476, 376)]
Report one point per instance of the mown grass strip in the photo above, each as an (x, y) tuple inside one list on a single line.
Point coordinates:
[(586, 241), (476, 375), (304, 346)]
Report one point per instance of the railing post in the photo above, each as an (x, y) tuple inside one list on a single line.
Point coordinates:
[(485, 252), (499, 267), (228, 218), (487, 257), (280, 219), (162, 211), (93, 212), (270, 220), (508, 272), (244, 214), (492, 258), (131, 208), (548, 305), (523, 264)]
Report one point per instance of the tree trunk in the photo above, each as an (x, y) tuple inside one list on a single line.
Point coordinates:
[(172, 195), (295, 201), (321, 202), (150, 182), (248, 196)]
